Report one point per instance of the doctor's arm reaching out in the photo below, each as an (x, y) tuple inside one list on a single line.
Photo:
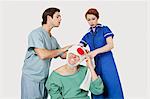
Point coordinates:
[(46, 54)]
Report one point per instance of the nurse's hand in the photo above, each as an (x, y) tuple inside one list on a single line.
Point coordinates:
[(92, 54)]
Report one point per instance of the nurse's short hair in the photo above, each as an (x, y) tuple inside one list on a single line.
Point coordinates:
[(92, 11), (50, 11)]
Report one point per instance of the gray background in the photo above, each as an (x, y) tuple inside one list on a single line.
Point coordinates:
[(127, 19)]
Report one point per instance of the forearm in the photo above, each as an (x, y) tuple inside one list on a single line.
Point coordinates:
[(91, 67), (93, 73), (105, 48), (63, 56), (46, 54)]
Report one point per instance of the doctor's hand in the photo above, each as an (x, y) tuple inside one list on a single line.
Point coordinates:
[(65, 49)]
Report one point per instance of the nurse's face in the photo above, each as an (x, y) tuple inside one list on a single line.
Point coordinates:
[(56, 19), (92, 20), (73, 59)]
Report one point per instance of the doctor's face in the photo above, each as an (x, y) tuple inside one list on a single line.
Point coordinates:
[(56, 19), (92, 20), (73, 59)]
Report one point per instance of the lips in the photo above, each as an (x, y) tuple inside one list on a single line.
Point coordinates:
[(92, 24), (71, 61)]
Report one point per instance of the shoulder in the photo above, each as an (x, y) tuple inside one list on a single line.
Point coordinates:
[(59, 71), (53, 38), (83, 68), (87, 35), (105, 26), (53, 78), (36, 32)]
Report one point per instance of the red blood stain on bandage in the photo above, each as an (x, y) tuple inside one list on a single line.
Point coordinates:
[(80, 51)]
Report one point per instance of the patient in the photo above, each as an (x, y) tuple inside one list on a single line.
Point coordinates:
[(65, 81)]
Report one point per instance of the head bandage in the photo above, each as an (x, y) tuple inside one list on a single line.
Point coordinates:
[(77, 50)]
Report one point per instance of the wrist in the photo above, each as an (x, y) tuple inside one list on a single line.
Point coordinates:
[(60, 51), (91, 68), (96, 52)]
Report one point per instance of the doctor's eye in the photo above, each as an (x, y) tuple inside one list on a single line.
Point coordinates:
[(58, 16)]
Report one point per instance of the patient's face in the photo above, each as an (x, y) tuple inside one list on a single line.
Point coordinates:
[(73, 59)]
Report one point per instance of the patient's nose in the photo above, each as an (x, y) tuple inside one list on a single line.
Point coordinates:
[(74, 56)]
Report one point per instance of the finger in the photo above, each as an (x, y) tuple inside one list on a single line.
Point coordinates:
[(87, 51), (89, 54), (86, 60)]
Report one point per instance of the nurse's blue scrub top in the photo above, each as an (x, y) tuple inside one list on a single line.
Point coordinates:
[(105, 65), (96, 38)]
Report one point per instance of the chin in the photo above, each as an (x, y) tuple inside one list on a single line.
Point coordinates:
[(57, 25), (93, 26), (72, 63)]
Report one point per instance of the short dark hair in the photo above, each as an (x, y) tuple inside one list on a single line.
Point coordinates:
[(92, 11), (50, 12)]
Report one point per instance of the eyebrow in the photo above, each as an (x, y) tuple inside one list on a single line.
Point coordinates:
[(58, 15)]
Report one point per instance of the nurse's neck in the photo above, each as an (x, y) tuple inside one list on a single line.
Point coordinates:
[(47, 28)]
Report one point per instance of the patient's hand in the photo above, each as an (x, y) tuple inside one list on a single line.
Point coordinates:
[(91, 67), (89, 62)]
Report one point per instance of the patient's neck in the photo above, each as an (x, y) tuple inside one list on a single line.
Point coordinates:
[(66, 70), (71, 69)]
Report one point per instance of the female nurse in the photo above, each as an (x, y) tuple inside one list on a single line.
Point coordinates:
[(100, 40)]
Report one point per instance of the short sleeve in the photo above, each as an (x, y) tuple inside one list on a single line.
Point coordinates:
[(35, 41), (58, 46), (53, 85), (83, 41), (96, 86), (107, 32)]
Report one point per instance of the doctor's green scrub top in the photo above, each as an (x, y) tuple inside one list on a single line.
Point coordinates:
[(35, 68)]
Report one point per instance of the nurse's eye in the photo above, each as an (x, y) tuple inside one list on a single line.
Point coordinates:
[(93, 18), (88, 19)]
